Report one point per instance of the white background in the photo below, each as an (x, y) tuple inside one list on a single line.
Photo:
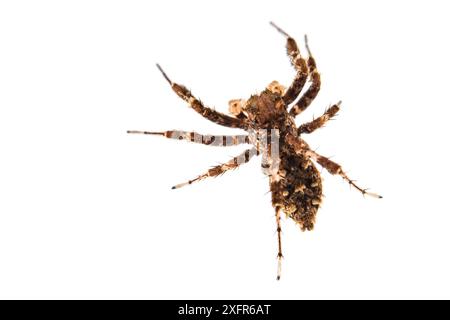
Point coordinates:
[(86, 210)]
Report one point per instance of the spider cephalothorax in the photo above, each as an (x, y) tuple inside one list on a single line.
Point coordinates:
[(268, 119)]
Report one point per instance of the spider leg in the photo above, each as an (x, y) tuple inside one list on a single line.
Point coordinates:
[(313, 89), (280, 254), (332, 167), (319, 122), (222, 168), (298, 63), (195, 137), (197, 105)]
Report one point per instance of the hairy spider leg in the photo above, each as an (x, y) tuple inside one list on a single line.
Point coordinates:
[(207, 139), (311, 126), (280, 254), (222, 168), (306, 99), (298, 63), (197, 105), (331, 166), (334, 168)]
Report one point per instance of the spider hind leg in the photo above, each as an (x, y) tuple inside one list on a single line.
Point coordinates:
[(280, 253), (334, 168), (301, 148), (222, 168)]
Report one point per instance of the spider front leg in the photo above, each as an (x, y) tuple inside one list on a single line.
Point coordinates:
[(195, 137), (222, 168), (311, 126), (299, 64), (198, 106), (313, 89)]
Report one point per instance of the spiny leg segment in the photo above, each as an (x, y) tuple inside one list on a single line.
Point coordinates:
[(313, 89), (311, 126), (332, 167), (299, 64), (280, 254), (195, 137), (222, 168), (197, 105)]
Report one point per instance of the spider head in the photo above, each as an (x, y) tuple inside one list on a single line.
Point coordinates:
[(261, 109)]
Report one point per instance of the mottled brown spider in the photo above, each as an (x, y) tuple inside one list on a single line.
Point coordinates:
[(287, 159)]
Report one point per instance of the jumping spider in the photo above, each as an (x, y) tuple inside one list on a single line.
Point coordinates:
[(295, 182)]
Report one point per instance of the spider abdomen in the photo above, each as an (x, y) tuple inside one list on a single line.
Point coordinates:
[(299, 191)]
